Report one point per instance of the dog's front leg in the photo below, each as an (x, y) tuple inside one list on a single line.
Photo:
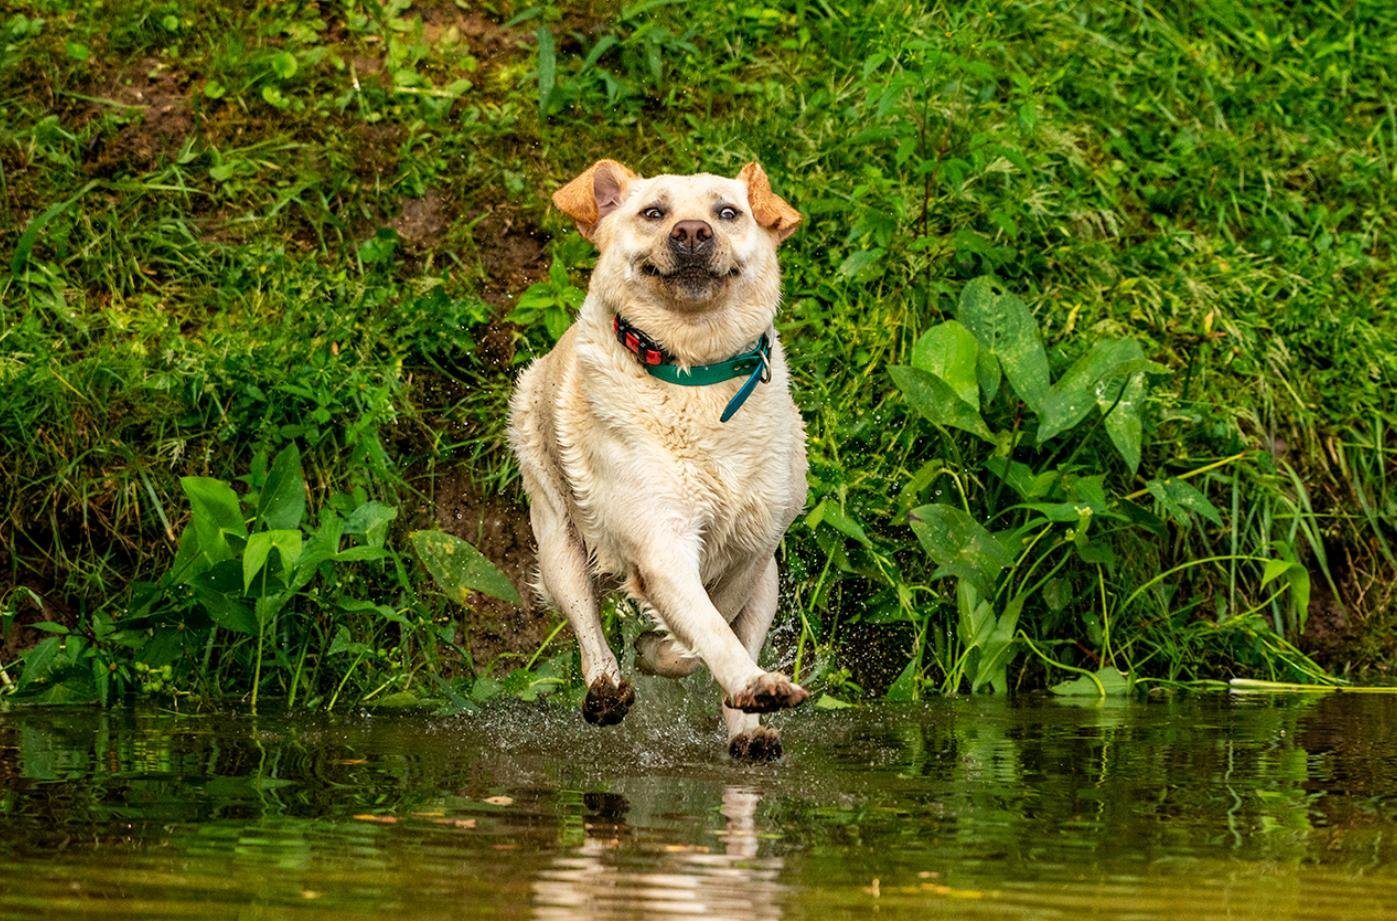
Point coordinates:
[(562, 565), (667, 576), (748, 740)]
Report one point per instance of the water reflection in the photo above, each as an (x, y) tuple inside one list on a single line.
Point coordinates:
[(1253, 808), (599, 879)]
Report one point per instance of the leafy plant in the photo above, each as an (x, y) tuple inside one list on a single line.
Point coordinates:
[(267, 596), (1057, 521)]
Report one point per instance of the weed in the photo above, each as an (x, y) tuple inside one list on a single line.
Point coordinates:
[(227, 231)]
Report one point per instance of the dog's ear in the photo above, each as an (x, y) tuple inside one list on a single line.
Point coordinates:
[(594, 194), (770, 209)]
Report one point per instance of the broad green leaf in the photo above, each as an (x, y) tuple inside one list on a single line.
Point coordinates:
[(1005, 327), (215, 514), (323, 545), (1090, 491), (976, 615), (860, 262), (371, 520), (266, 607), (1179, 499), (225, 611), (1021, 478), (343, 642), (163, 647), (828, 512), (66, 686), (904, 687), (460, 569), (1061, 512), (1057, 594), (1120, 398), (938, 402), (960, 545), (359, 554), (282, 503), (1074, 394), (1109, 683), (1298, 577), (39, 660), (949, 351), (987, 372), (287, 543), (1097, 554), (998, 649), (190, 559), (828, 701)]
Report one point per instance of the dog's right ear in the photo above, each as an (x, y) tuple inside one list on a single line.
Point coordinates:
[(594, 194)]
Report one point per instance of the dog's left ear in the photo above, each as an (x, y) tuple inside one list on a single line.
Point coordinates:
[(593, 195), (770, 209)]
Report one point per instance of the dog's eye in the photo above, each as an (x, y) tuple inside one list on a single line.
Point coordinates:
[(653, 214), (727, 213)]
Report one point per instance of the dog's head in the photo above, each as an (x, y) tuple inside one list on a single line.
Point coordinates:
[(692, 243)]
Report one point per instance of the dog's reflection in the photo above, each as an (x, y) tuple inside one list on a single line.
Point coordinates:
[(624, 871)]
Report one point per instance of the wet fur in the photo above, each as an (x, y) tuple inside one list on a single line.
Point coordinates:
[(634, 479)]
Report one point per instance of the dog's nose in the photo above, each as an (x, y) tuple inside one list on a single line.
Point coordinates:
[(691, 236)]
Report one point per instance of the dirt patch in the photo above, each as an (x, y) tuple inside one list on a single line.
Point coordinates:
[(160, 100), (513, 255), (447, 24), (375, 146), (423, 220), (1355, 633), (499, 529)]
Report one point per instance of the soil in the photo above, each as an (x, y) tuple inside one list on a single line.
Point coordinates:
[(1357, 631), (423, 221), (514, 256), (499, 528), (513, 253), (445, 22), (164, 119)]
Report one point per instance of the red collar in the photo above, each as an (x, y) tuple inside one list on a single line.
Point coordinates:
[(639, 344)]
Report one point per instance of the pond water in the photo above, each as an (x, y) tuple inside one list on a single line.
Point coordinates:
[(1212, 806)]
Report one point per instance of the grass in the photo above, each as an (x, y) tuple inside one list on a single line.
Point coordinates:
[(230, 230)]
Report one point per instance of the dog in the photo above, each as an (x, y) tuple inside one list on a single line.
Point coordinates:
[(658, 442)]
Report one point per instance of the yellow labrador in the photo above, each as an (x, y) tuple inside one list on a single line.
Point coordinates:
[(658, 441)]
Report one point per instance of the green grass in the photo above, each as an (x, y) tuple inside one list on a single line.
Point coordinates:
[(223, 231)]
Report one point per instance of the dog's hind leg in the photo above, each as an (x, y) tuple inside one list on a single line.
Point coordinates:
[(658, 653), (562, 564), (748, 740)]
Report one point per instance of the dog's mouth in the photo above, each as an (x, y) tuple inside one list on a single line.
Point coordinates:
[(689, 273)]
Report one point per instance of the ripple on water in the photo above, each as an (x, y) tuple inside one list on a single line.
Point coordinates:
[(1270, 809)]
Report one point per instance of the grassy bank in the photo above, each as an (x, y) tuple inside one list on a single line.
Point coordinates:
[(229, 230)]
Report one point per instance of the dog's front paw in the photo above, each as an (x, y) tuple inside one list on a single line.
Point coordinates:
[(607, 701), (766, 693), (761, 744)]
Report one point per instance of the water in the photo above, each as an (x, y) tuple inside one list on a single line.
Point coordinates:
[(1217, 806)]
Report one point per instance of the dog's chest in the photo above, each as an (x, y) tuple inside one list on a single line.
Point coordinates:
[(733, 479)]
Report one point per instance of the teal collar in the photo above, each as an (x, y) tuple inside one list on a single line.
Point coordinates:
[(754, 364)]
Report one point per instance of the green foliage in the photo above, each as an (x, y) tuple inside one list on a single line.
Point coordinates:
[(1058, 520), (461, 569), (228, 230), (260, 595)]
